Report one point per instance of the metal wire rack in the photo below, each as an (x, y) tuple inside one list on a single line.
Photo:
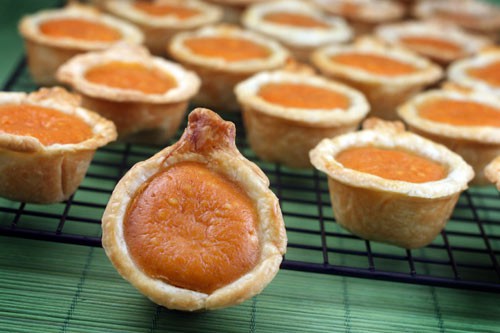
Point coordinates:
[(465, 255)]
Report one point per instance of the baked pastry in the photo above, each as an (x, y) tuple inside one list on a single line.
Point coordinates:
[(145, 96), (476, 16), (159, 20), (492, 172), (364, 15), (223, 56), (299, 26), (441, 42), (467, 123), (46, 144), (480, 72), (286, 114), (196, 226), (390, 185), (233, 9), (387, 75), (54, 36)]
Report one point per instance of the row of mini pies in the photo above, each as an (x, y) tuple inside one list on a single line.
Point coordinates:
[(219, 77)]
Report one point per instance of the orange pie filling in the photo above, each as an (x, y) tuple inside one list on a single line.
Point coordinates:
[(192, 228), (49, 126), (460, 113), (392, 164), (295, 20), (430, 43), (132, 76), (227, 48), (489, 73), (375, 64), (302, 96), (79, 29), (156, 9)]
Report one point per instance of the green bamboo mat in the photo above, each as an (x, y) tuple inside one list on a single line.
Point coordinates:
[(52, 287)]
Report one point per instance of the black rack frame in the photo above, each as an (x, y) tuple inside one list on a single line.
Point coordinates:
[(466, 255)]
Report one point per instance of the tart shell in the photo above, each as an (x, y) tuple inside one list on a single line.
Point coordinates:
[(293, 132), (478, 145), (32, 172), (405, 214), (139, 117), (218, 76), (208, 140), (384, 93), (46, 54), (159, 30)]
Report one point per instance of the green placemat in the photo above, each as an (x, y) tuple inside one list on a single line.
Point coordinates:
[(52, 287)]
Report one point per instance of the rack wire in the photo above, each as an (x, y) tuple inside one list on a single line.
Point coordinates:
[(465, 255)]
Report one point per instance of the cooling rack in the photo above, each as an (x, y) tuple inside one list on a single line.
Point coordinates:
[(465, 255)]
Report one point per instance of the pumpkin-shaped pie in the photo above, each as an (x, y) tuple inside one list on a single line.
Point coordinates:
[(159, 20), (364, 15), (53, 36), (46, 144), (480, 72), (467, 123), (387, 75), (286, 114), (390, 185), (298, 25), (441, 42), (223, 56), (196, 226), (492, 172), (474, 15), (145, 96)]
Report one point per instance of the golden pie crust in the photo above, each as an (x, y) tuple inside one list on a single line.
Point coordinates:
[(284, 134), (139, 117), (159, 30), (478, 145), (476, 16), (409, 215), (492, 172), (233, 9), (384, 93), (301, 41), (466, 44), (45, 53), (33, 172), (218, 76), (458, 74), (364, 15), (208, 140)]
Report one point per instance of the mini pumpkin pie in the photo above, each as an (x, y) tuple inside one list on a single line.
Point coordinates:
[(286, 114), (196, 226), (387, 75), (299, 26), (480, 72), (473, 15), (233, 9), (364, 15), (54, 36), (145, 96), (438, 41), (492, 172), (46, 144), (390, 185), (223, 56), (467, 123), (159, 20)]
